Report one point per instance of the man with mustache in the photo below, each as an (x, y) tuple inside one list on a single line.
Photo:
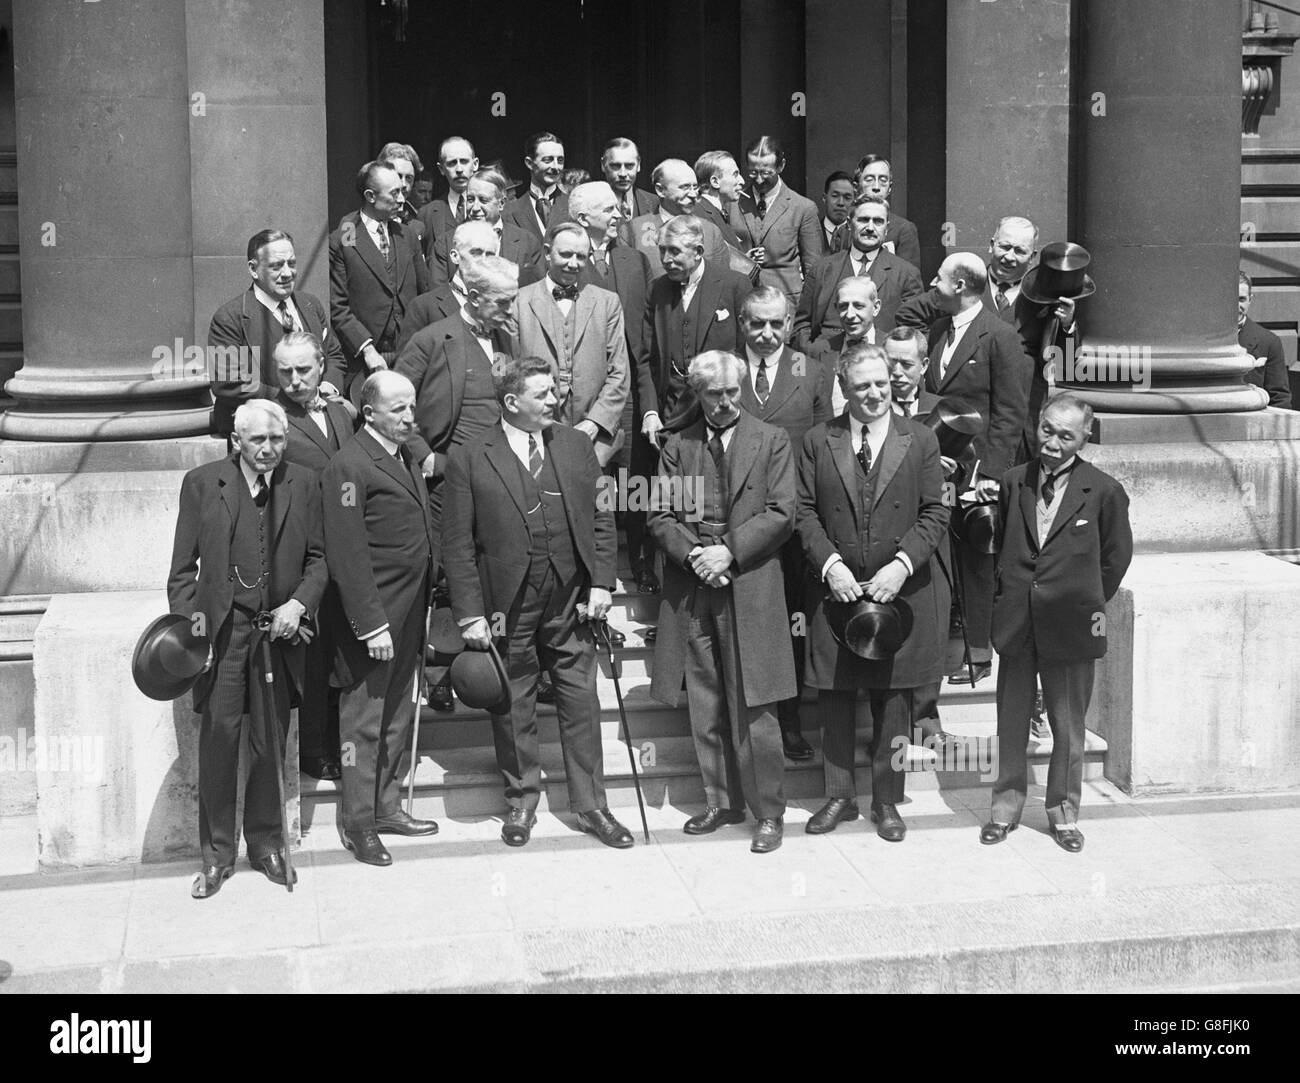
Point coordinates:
[(469, 241), (620, 165), (678, 193), (875, 178), (483, 200), (545, 201)]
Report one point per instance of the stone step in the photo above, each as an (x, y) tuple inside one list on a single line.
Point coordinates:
[(1267, 261), (1272, 216), (1276, 171), (1275, 304), (11, 321)]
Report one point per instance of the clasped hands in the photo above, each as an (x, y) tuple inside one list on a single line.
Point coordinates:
[(711, 563), (881, 587)]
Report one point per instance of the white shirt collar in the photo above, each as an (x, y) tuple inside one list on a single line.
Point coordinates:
[(518, 440), (961, 319), (772, 361), (772, 193), (869, 338), (383, 441), (696, 275), (251, 476), (859, 257), (271, 302), (828, 226), (537, 193), (875, 429), (1058, 471)]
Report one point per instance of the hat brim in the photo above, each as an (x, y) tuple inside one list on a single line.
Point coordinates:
[(1031, 280), (148, 673), (495, 701)]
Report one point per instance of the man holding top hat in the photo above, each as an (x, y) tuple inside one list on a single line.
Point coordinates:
[(248, 543), (870, 515), (530, 558)]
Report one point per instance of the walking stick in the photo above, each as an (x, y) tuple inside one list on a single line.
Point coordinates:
[(262, 622), (417, 694), (601, 628)]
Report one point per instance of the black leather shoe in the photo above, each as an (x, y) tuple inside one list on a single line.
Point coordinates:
[(402, 822), (601, 823), (889, 824), (208, 880), (616, 638), (518, 828), (367, 847), (992, 832), (650, 635), (646, 581), (545, 690), (828, 817), (440, 695), (322, 767), (767, 836), (273, 867), (711, 819), (1068, 837), (796, 748), (980, 669)]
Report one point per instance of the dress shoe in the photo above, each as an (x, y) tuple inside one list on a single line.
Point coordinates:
[(616, 638), (980, 669), (767, 836), (322, 767), (518, 828), (1068, 837), (601, 823), (402, 822), (711, 819), (367, 847), (273, 867), (208, 880), (440, 695), (650, 635), (993, 832), (646, 580), (889, 824), (545, 690), (828, 817), (1039, 729), (796, 748)]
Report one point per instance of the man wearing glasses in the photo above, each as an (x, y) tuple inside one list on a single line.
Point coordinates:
[(779, 227)]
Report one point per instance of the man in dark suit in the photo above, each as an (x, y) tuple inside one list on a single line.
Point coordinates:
[(678, 194), (896, 280), (620, 164), (483, 199), (777, 226), (1064, 546), (694, 307), (837, 203), (245, 330), (525, 539), (469, 240), (858, 307), (376, 272), (784, 388), (317, 429), (248, 540), (875, 179), (720, 182), (402, 159), (871, 514), (379, 544), (1270, 371), (457, 162), (977, 359), (721, 510), (545, 201)]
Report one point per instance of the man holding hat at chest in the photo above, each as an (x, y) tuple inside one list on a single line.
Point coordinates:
[(870, 515)]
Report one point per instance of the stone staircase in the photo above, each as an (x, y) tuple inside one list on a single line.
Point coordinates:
[(1270, 249)]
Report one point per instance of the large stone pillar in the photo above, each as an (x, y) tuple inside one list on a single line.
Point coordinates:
[(1158, 93)]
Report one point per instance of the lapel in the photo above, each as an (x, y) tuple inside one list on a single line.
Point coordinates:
[(548, 315), (1028, 511), (583, 308), (839, 438), (892, 454), (340, 423), (784, 381), (227, 479), (838, 267), (281, 497), (389, 464), (457, 352), (301, 420), (881, 267), (506, 464), (401, 254), (742, 454), (706, 299), (1077, 489), (368, 251), (564, 479), (692, 466), (970, 342)]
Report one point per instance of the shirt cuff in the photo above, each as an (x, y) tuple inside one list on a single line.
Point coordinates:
[(465, 622), (362, 348), (831, 561), (906, 561), (371, 635), (328, 388)]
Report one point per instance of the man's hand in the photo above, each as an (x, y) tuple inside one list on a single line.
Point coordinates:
[(208, 664), (284, 620), (651, 427), (886, 583), (758, 254), (842, 583), (477, 635), (373, 359), (986, 490), (599, 601), (380, 646), (589, 429), (949, 466), (1064, 311), (429, 468), (710, 561)]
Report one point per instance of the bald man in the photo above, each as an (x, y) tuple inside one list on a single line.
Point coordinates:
[(470, 240), (457, 162), (678, 192), (858, 307), (484, 200)]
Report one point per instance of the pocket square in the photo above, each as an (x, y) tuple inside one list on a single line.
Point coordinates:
[(721, 314), (1081, 522)]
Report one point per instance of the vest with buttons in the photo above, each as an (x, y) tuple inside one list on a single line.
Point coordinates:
[(250, 550), (715, 494), (682, 323), (564, 363), (479, 408), (866, 483), (550, 542)]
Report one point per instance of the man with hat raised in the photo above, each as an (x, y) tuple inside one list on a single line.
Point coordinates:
[(870, 515), (530, 559), (248, 542)]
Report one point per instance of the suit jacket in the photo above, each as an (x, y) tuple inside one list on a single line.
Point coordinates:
[(895, 279), (799, 397), (722, 219), (717, 303), (760, 474), (437, 218), (1272, 375), (307, 446), (435, 361), (643, 203), (244, 322), (907, 514), (900, 238), (645, 238), (989, 372), (630, 279), (485, 538), (199, 581), (599, 375), (790, 231), (439, 303), (519, 246), (1053, 594), (362, 298), (520, 212), (826, 352), (379, 545)]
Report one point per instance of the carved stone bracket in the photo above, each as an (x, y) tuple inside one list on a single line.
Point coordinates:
[(1261, 61)]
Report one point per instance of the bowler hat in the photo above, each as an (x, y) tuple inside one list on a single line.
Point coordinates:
[(1059, 274), (168, 657), (955, 426), (977, 525), (871, 630), (479, 679)]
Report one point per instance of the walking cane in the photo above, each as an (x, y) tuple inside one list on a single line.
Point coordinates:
[(417, 694), (262, 622), (601, 628)]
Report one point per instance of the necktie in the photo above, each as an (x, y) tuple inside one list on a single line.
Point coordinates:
[(1050, 482), (286, 321), (715, 446), (952, 335), (601, 264), (864, 453), (864, 267), (262, 491), (383, 241), (543, 204), (460, 210), (565, 293), (534, 455), (908, 406), (760, 207), (1000, 298), (761, 386)]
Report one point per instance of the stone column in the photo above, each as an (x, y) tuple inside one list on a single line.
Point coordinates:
[(1158, 180)]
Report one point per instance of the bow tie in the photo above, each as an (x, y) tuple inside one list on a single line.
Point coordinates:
[(316, 407), (565, 293)]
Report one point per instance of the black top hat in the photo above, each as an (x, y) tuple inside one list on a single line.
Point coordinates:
[(1059, 274), (479, 679), (168, 657), (977, 525), (871, 630), (955, 426)]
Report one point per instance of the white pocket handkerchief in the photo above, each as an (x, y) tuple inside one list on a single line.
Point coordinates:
[(721, 314), (1081, 522)]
